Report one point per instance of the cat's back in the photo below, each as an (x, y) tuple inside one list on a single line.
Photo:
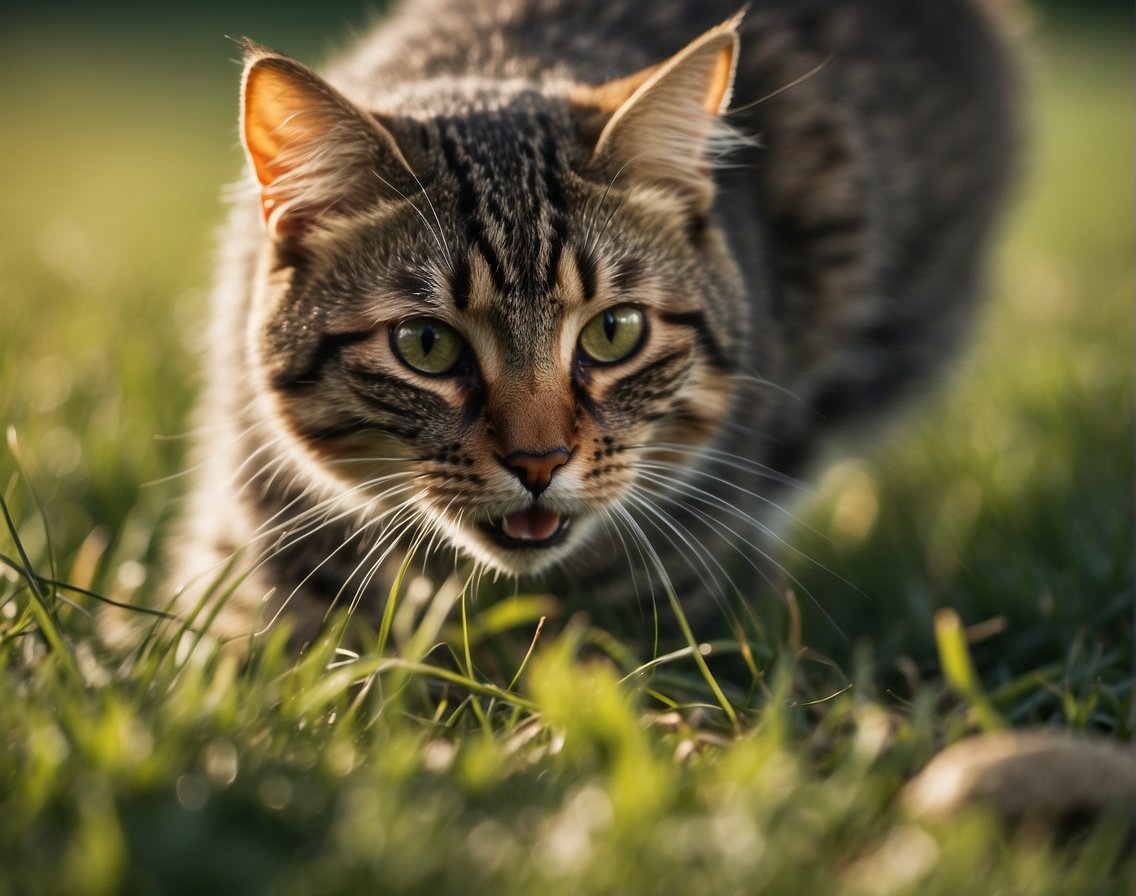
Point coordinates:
[(593, 41)]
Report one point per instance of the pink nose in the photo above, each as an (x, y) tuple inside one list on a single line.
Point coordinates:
[(535, 470)]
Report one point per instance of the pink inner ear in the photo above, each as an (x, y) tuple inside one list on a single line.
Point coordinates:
[(664, 125), (721, 85), (280, 118), (261, 124)]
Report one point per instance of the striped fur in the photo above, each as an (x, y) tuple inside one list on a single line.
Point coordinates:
[(510, 172)]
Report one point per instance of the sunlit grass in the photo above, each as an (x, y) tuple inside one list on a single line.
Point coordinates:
[(456, 761)]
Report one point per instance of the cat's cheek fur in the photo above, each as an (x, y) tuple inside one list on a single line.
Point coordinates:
[(274, 404), (695, 418)]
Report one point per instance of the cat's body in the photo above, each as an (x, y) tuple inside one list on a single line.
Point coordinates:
[(644, 343)]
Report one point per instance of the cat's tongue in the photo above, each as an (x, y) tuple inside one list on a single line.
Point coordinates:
[(533, 524)]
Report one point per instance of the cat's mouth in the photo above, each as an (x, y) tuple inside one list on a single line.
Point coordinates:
[(531, 528)]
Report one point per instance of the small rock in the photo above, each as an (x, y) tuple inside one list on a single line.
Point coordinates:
[(1042, 772)]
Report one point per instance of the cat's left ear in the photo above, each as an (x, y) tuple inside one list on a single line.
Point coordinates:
[(663, 119)]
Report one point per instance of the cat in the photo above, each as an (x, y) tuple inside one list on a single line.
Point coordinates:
[(575, 292)]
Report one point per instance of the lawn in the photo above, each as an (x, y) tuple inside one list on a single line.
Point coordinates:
[(451, 760)]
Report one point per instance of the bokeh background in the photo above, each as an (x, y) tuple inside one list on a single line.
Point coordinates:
[(1009, 499)]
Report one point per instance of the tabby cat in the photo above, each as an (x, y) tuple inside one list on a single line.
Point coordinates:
[(572, 292)]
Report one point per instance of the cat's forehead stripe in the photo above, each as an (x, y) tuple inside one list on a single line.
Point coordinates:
[(519, 233), (461, 168)]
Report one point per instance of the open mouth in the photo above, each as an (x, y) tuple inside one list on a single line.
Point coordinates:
[(531, 528)]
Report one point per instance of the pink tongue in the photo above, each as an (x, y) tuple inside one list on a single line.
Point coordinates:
[(531, 525)]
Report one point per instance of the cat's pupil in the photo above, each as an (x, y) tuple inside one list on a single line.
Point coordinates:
[(428, 338), (609, 324)]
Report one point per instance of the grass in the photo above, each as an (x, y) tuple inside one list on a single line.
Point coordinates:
[(427, 768)]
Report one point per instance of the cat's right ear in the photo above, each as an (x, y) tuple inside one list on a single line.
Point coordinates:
[(312, 152)]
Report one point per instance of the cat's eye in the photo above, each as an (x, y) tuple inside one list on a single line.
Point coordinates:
[(612, 335), (427, 345)]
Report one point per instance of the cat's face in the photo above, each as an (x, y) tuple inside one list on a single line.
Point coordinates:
[(495, 347)]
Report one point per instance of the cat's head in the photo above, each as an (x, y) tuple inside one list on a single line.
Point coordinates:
[(488, 309)]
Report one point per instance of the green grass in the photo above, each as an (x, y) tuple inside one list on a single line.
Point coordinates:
[(427, 769)]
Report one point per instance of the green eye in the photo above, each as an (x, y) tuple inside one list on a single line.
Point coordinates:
[(612, 335), (427, 345)]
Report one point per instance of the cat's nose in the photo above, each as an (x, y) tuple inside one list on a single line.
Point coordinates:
[(535, 470)]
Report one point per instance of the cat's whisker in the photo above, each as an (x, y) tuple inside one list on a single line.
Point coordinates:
[(298, 497), (269, 446), (723, 458), (815, 70), (273, 447), (689, 549), (737, 540), (184, 474), (292, 538), (284, 604), (437, 532), (450, 256), (281, 467), (609, 519), (673, 489), (347, 461), (303, 526), (344, 543), (644, 543), (398, 528), (741, 379), (668, 485), (389, 523), (685, 479), (660, 487), (593, 243), (439, 239), (285, 518), (714, 453), (597, 241)]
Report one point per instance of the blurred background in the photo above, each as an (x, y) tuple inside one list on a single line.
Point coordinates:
[(1010, 499)]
